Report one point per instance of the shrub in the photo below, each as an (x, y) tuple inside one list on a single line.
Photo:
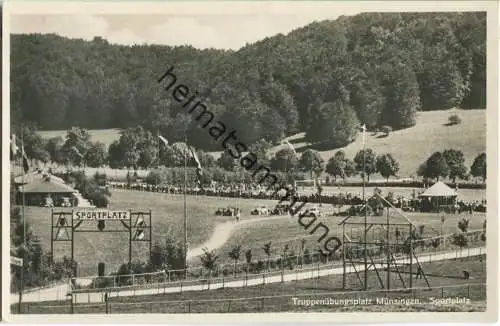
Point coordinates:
[(101, 269), (483, 237), (307, 256), (260, 266), (460, 240), (153, 178), (463, 224), (386, 130), (99, 199), (454, 120)]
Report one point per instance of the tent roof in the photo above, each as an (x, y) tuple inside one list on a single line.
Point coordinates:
[(46, 186), (439, 189)]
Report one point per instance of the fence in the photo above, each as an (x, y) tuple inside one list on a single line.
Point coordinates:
[(243, 280), (325, 301), (273, 264)]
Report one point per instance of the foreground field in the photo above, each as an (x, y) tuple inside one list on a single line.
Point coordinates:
[(445, 278), (168, 213), (288, 231), (409, 146)]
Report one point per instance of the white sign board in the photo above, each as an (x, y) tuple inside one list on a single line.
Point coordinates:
[(16, 261), (97, 214)]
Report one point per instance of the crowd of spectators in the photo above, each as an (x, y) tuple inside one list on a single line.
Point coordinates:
[(257, 191)]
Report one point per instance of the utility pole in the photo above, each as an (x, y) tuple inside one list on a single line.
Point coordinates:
[(185, 203), (366, 218), (21, 281)]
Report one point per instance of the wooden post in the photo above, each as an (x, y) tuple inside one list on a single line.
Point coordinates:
[(343, 258)]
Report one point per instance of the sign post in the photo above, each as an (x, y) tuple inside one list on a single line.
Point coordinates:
[(16, 261), (19, 263), (138, 225)]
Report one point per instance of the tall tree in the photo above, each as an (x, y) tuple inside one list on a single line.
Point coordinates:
[(96, 155), (76, 145), (403, 100), (312, 162), (456, 163), (334, 124), (436, 167), (284, 160), (54, 148), (339, 166), (478, 167), (387, 166), (235, 254), (367, 163)]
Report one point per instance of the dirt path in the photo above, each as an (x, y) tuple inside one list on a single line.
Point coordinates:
[(223, 232)]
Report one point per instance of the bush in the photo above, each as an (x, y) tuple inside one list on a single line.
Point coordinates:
[(454, 120), (99, 199), (460, 240), (386, 130), (154, 178), (463, 224), (307, 257), (260, 266), (101, 269)]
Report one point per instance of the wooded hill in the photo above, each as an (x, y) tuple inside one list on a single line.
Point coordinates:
[(323, 79)]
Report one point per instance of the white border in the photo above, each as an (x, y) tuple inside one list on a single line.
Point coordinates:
[(268, 8)]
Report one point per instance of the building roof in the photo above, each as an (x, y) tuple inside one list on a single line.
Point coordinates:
[(439, 189), (35, 176), (46, 186)]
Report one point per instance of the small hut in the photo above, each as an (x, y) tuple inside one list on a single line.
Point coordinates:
[(438, 198), (45, 190)]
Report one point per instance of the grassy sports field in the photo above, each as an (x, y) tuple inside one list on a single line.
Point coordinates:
[(288, 231), (168, 212), (278, 296)]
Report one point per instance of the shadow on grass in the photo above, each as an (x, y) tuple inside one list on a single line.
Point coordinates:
[(298, 140), (321, 147)]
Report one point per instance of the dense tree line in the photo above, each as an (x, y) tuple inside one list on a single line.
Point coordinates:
[(323, 79), (140, 148)]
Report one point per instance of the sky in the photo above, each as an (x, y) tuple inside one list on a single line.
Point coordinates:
[(205, 31)]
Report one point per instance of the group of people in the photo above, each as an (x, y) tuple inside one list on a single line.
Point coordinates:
[(408, 203)]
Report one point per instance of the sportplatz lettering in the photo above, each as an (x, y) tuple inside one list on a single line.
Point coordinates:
[(182, 94), (384, 301), (101, 215)]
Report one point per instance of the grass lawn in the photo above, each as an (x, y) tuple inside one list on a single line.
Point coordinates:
[(279, 295), (288, 231), (410, 147), (168, 216), (168, 212)]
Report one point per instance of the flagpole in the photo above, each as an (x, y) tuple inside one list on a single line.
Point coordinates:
[(24, 223), (158, 147), (365, 207), (185, 203)]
